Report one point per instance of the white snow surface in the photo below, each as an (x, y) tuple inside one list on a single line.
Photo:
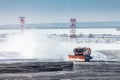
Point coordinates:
[(34, 44)]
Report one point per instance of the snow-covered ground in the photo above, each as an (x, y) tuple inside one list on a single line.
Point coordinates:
[(35, 44)]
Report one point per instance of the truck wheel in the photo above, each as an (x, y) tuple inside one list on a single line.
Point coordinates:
[(90, 57), (87, 59)]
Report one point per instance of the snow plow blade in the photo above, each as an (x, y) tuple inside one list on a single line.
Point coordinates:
[(76, 58)]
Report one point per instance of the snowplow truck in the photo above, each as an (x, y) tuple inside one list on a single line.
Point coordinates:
[(81, 54)]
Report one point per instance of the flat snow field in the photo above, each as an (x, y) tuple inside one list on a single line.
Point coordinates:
[(36, 44)]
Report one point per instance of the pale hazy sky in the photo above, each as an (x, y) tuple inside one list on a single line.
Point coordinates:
[(50, 11)]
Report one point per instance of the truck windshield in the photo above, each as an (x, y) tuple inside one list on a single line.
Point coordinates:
[(79, 50)]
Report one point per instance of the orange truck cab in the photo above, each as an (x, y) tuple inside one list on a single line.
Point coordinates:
[(80, 54)]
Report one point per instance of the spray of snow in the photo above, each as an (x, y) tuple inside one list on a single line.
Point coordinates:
[(20, 45), (29, 45)]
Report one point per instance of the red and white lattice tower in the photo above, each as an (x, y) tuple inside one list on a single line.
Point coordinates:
[(72, 28), (22, 21)]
